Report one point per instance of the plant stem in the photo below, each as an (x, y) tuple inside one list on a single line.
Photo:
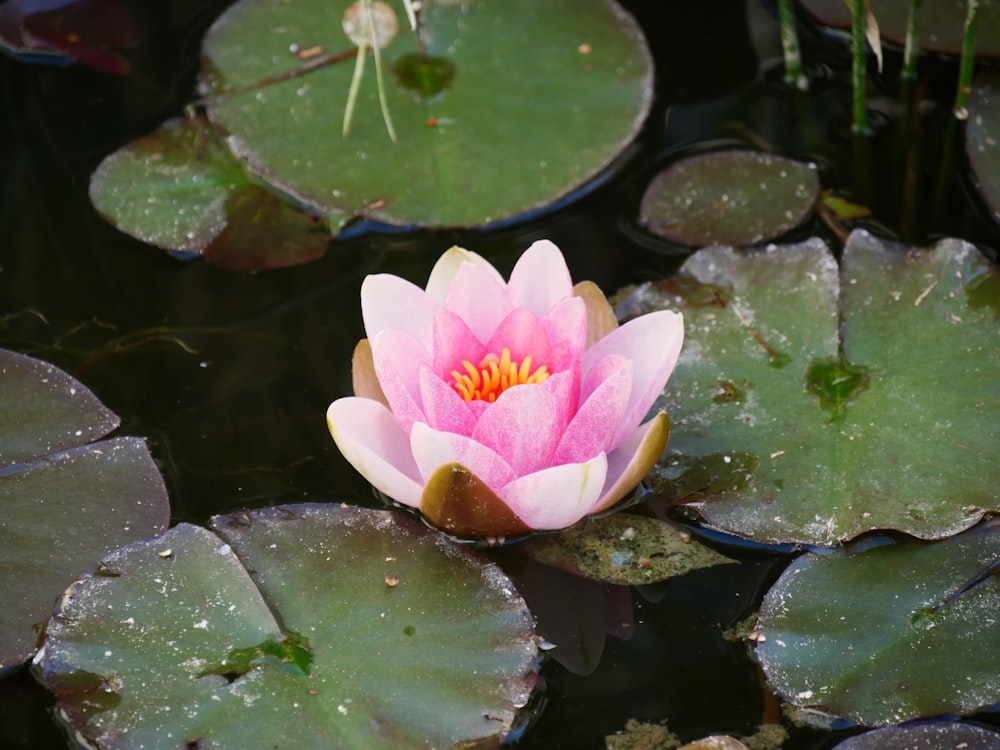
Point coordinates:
[(314, 63), (968, 61), (352, 92), (368, 38), (859, 122), (411, 14), (911, 53), (790, 46), (379, 79)]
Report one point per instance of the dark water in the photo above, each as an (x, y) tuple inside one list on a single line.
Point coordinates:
[(229, 375)]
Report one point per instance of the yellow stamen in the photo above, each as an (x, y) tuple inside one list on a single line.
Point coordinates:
[(494, 375)]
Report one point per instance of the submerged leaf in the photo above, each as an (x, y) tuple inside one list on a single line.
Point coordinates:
[(340, 627), (63, 503), (887, 634), (624, 549), (812, 404)]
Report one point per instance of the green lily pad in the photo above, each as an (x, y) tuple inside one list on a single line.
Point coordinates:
[(729, 198), (982, 142), (63, 503), (336, 626), (624, 549), (781, 437), (884, 635), (181, 189), (500, 106), (925, 735), (45, 410), (941, 22)]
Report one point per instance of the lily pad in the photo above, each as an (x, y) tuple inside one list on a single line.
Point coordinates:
[(982, 142), (941, 22), (181, 189), (729, 198), (624, 549), (925, 735), (63, 503), (340, 627), (499, 106), (812, 404), (883, 635)]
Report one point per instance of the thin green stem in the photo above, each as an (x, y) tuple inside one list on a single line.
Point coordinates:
[(369, 37), (352, 93), (968, 61), (946, 171), (309, 66), (411, 14), (859, 122), (380, 81), (790, 46), (911, 53)]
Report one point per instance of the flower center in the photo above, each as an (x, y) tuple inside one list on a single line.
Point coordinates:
[(494, 375)]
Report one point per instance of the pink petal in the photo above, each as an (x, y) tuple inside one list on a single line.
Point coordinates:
[(522, 333), (453, 342), (522, 427), (398, 358), (564, 387), (477, 407), (653, 343), (447, 266), (567, 322), (370, 439), (559, 496), (479, 299), (388, 301), (633, 459), (433, 449), (540, 278), (444, 408), (605, 396)]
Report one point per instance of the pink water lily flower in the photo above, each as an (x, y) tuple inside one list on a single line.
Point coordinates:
[(498, 408)]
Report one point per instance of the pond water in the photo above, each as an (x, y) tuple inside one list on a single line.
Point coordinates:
[(229, 375)]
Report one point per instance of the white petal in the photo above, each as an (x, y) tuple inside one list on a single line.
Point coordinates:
[(632, 460), (370, 439), (432, 449), (559, 496), (447, 266), (478, 299), (540, 278), (388, 301)]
